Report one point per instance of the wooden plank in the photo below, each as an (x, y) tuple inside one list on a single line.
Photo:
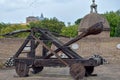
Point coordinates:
[(56, 62)]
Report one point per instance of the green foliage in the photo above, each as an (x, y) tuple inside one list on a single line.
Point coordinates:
[(117, 31), (53, 24), (118, 12), (14, 27), (3, 25), (70, 31), (77, 22), (113, 19)]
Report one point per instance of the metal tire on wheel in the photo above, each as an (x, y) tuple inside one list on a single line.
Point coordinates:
[(77, 71), (37, 69), (22, 69)]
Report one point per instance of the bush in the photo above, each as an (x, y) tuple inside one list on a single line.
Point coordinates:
[(70, 31)]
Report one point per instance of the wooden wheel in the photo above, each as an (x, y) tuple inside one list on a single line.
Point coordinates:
[(77, 71), (89, 70), (22, 69), (37, 69)]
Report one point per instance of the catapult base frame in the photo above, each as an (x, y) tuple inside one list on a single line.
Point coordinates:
[(79, 67)]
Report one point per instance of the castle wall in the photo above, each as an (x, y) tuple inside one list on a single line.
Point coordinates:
[(105, 47), (87, 47)]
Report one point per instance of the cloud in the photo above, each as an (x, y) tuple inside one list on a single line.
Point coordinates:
[(65, 10), (2, 1), (63, 1)]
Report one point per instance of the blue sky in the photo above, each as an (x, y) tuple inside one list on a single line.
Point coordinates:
[(15, 11)]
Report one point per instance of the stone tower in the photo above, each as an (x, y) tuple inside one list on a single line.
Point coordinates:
[(92, 18), (41, 17)]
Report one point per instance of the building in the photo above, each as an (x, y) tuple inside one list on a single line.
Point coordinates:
[(34, 19), (31, 19)]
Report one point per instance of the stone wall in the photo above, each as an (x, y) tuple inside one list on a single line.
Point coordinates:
[(105, 47), (9, 46), (87, 47)]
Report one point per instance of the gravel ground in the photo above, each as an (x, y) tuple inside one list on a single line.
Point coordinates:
[(104, 72)]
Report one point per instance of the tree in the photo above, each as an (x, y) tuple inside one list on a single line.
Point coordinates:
[(113, 19), (77, 22), (3, 25), (117, 31), (15, 27), (53, 24), (70, 31), (118, 12)]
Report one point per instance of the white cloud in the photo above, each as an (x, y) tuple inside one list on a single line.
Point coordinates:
[(2, 1), (65, 10)]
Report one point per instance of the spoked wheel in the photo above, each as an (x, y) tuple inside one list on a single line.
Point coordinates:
[(89, 70), (22, 69), (37, 69), (77, 71)]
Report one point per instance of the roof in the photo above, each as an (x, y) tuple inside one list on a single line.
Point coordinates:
[(92, 19)]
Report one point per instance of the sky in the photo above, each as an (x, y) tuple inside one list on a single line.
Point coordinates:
[(16, 11)]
